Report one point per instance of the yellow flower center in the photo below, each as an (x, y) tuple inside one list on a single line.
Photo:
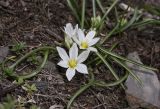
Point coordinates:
[(72, 63), (84, 44)]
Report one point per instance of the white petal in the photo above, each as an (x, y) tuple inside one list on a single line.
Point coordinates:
[(83, 56), (63, 64), (81, 68), (76, 40), (93, 41), (76, 28), (81, 35), (62, 53), (92, 49), (90, 35), (70, 73), (68, 39), (69, 29), (73, 52)]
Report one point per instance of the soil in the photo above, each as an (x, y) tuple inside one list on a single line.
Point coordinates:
[(40, 22)]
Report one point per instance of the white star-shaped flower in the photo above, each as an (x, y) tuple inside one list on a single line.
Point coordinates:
[(73, 62), (86, 42), (70, 31)]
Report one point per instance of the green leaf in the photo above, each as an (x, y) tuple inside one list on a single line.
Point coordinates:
[(33, 87), (73, 7), (129, 24), (130, 72), (94, 8), (110, 33), (100, 6), (109, 67), (20, 81), (82, 89), (110, 8), (104, 84), (83, 13), (125, 59)]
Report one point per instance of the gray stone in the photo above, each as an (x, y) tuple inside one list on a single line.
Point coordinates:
[(54, 74), (3, 53), (147, 94)]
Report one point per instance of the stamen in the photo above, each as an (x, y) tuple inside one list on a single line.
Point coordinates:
[(84, 44), (72, 63)]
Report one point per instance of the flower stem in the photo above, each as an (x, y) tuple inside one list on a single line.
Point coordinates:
[(83, 13), (82, 89), (94, 8)]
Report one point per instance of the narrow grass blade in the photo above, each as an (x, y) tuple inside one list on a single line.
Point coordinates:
[(130, 22), (94, 8), (100, 6), (97, 58), (82, 89), (110, 33), (125, 59), (116, 14), (109, 67), (113, 46), (104, 84), (110, 8), (130, 72), (145, 22), (72, 7), (83, 13)]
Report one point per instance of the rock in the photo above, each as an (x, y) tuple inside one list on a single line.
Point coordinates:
[(41, 86), (3, 53), (146, 95), (54, 74)]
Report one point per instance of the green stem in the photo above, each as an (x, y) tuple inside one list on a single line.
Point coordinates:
[(70, 4), (97, 58), (111, 49), (130, 23), (110, 33), (83, 13), (94, 8), (110, 8), (82, 89), (100, 6), (109, 67)]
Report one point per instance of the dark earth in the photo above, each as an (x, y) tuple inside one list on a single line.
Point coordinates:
[(40, 22)]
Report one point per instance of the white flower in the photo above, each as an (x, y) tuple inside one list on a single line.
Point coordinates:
[(86, 42), (70, 31), (73, 62)]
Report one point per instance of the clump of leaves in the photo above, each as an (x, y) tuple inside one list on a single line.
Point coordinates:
[(30, 89), (18, 47), (33, 58), (34, 107), (9, 103)]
